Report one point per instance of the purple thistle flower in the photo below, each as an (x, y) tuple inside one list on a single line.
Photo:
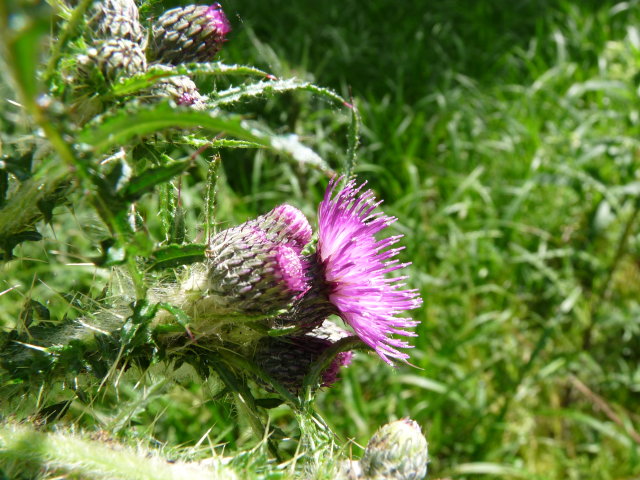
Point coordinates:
[(354, 264)]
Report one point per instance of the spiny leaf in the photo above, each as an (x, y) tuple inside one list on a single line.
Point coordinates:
[(152, 75), (123, 126), (9, 243), (354, 140), (300, 152), (235, 94), (218, 143)]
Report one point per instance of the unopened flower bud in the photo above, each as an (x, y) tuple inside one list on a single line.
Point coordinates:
[(286, 224), (252, 275), (397, 451), (194, 33), (289, 359), (118, 58), (180, 89), (117, 19)]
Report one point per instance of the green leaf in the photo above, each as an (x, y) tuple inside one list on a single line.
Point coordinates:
[(125, 125), (291, 145), (4, 186), (136, 331), (353, 138), (167, 206), (218, 143), (147, 180), (178, 231), (182, 318), (175, 255), (112, 254), (20, 167), (70, 29), (211, 196)]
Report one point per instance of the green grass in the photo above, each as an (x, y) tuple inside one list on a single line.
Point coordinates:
[(505, 138)]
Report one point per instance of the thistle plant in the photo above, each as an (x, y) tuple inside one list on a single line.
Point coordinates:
[(122, 125)]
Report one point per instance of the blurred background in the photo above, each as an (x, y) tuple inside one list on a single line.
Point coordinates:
[(504, 135)]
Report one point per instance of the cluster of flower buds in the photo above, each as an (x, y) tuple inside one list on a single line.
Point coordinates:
[(119, 40), (120, 47)]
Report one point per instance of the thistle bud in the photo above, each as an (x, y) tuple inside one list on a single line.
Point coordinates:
[(194, 33), (180, 89), (126, 8), (286, 224), (118, 58), (289, 359), (252, 275), (117, 19), (397, 451)]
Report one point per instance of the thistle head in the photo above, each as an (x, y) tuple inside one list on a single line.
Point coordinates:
[(194, 33), (349, 271), (249, 274), (115, 59), (256, 268), (180, 88), (397, 451), (116, 19), (289, 359), (286, 224)]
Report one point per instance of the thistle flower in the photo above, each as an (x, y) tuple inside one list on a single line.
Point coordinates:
[(126, 8), (194, 33), (397, 451), (350, 269), (289, 359)]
